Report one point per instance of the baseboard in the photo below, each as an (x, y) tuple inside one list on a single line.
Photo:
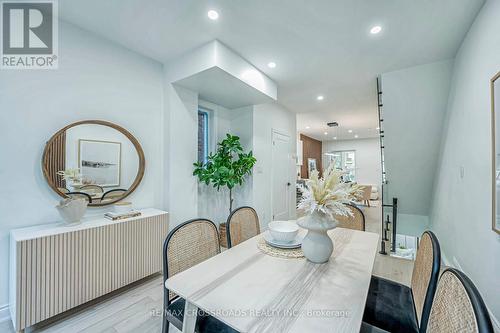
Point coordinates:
[(4, 312)]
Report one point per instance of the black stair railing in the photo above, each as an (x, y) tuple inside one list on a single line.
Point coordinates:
[(387, 223)]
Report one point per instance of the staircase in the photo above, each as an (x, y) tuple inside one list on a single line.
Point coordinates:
[(389, 209)]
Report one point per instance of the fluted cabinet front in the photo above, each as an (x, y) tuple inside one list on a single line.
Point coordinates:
[(55, 273)]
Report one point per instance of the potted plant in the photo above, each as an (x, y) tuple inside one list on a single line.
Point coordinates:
[(322, 200), (228, 167)]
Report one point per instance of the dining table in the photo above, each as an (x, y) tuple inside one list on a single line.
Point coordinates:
[(252, 291)]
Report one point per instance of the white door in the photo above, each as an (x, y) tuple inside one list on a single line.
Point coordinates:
[(281, 176)]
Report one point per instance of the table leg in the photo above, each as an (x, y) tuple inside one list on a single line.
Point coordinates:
[(190, 315)]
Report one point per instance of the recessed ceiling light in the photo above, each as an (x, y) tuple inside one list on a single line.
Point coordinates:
[(213, 15), (376, 29), (378, 128), (334, 138), (326, 133), (356, 136), (308, 127), (271, 64), (320, 98), (350, 131)]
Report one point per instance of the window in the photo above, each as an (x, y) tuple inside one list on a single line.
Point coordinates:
[(202, 136), (344, 160)]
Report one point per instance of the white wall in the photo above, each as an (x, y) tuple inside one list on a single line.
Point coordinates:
[(181, 132), (368, 166), (414, 102), (461, 211), (96, 79), (266, 118)]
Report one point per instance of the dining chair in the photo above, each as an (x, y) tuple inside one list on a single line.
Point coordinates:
[(366, 194), (355, 222), (79, 195), (186, 245), (92, 188), (458, 306), (394, 307), (113, 194), (242, 224)]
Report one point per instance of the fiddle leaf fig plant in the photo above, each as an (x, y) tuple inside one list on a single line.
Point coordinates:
[(228, 167)]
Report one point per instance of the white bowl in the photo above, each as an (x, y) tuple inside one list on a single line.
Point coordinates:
[(283, 231)]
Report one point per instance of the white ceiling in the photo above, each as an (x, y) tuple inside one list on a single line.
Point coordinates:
[(320, 46)]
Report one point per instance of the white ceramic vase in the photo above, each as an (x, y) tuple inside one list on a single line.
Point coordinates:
[(317, 245), (72, 209)]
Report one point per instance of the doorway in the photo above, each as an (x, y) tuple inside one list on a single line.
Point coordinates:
[(281, 182)]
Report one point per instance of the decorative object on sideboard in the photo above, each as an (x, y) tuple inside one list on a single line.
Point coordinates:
[(122, 216), (95, 157), (72, 177), (322, 200), (72, 210)]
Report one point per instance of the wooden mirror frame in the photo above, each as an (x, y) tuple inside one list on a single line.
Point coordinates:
[(137, 145), (494, 155)]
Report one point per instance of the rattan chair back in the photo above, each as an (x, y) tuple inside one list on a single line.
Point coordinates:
[(242, 224), (189, 244), (425, 276), (458, 306), (355, 222)]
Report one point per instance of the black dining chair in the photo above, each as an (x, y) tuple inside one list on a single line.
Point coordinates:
[(113, 193), (457, 307), (79, 195), (93, 188), (394, 307), (186, 245)]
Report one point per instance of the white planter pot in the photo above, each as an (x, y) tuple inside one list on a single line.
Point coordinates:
[(317, 245)]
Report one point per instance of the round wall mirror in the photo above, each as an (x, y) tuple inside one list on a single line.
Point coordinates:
[(93, 159)]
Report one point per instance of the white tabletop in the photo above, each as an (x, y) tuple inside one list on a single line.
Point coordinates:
[(43, 230), (254, 292)]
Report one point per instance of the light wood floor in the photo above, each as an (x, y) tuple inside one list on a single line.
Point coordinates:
[(138, 308)]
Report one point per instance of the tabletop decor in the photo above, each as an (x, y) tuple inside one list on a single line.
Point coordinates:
[(294, 253), (322, 200), (72, 209)]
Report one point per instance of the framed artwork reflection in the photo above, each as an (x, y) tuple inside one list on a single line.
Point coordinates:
[(100, 162)]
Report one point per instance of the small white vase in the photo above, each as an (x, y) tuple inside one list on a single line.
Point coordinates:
[(317, 245)]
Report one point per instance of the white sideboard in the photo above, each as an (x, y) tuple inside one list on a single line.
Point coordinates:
[(56, 267)]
